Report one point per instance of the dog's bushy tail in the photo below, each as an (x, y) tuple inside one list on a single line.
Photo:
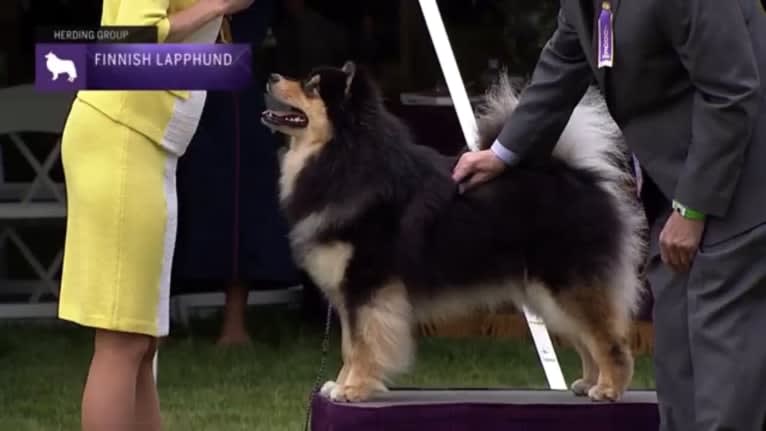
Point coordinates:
[(591, 141), (498, 105)]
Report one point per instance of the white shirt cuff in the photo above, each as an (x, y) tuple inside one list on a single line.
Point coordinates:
[(509, 157)]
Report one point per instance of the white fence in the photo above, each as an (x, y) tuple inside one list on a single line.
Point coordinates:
[(36, 202)]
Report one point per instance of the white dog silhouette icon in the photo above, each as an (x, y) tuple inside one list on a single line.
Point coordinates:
[(57, 66)]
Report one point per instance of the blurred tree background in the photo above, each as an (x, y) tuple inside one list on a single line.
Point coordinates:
[(510, 32)]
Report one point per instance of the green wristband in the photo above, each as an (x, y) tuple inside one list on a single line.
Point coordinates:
[(687, 213)]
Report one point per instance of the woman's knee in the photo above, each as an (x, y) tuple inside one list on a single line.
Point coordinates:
[(125, 345)]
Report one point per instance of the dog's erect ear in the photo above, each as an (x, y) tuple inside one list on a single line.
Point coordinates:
[(312, 86), (350, 70)]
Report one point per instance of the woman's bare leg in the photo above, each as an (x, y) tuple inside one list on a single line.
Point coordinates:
[(109, 399), (148, 416)]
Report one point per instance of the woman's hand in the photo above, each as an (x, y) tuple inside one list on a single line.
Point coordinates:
[(186, 22), (229, 7)]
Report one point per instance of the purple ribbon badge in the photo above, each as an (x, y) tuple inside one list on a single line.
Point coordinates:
[(605, 36)]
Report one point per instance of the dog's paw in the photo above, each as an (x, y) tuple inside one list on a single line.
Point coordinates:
[(338, 394), (355, 393), (604, 393), (327, 388), (580, 387), (350, 394)]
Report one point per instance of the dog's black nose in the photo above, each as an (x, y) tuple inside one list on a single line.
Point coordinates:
[(274, 78)]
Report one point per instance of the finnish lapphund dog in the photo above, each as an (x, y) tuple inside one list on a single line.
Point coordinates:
[(381, 227)]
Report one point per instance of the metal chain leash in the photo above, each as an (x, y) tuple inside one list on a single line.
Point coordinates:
[(322, 366)]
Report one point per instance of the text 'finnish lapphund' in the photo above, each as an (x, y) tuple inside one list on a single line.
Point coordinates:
[(382, 229)]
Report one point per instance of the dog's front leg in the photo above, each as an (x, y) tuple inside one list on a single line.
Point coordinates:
[(380, 345), (345, 332), (345, 348), (364, 375), (330, 387), (590, 371), (361, 373)]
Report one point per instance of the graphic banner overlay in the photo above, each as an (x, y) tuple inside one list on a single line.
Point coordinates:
[(105, 34), (71, 67)]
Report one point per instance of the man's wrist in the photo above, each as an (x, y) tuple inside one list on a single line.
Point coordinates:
[(501, 152), (687, 212)]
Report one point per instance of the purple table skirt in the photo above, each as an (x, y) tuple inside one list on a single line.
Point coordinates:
[(486, 410)]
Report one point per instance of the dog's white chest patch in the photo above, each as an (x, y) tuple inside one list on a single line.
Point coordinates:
[(327, 264), (292, 164)]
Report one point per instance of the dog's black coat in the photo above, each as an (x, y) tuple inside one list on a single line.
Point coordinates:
[(397, 204)]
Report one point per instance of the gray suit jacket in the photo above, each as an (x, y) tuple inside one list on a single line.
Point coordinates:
[(685, 89)]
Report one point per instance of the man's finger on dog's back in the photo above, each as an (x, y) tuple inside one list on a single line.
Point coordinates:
[(462, 170)]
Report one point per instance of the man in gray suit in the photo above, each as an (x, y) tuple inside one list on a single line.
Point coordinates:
[(682, 78)]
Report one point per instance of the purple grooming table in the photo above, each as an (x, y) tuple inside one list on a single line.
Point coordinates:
[(486, 410)]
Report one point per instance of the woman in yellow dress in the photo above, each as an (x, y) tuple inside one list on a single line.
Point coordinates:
[(119, 152)]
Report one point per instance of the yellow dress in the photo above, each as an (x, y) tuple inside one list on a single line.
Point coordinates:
[(119, 153)]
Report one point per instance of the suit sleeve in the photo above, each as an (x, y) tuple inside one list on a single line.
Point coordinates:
[(714, 45), (145, 13), (560, 80)]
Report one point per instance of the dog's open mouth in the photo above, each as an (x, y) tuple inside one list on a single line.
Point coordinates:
[(281, 114), (292, 118)]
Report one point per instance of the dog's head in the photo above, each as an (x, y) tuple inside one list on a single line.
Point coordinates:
[(50, 55), (313, 107)]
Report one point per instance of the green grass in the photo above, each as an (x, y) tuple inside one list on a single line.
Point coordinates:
[(262, 387)]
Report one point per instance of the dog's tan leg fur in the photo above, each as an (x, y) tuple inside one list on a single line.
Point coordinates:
[(601, 340), (611, 351), (345, 347), (381, 344), (330, 388), (589, 377)]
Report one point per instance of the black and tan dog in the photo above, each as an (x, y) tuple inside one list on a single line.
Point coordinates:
[(382, 229)]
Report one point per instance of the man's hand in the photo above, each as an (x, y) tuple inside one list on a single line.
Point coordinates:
[(477, 167), (679, 241)]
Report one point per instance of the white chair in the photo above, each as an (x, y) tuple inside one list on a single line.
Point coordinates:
[(23, 109)]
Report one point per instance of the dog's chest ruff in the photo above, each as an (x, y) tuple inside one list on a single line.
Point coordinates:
[(293, 162), (326, 262)]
